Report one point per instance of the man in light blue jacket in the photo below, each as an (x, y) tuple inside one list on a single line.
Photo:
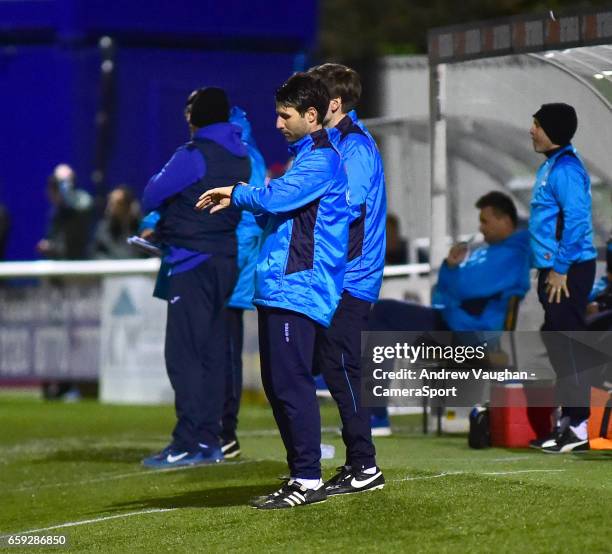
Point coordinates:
[(473, 289), (561, 231), (299, 276), (338, 347)]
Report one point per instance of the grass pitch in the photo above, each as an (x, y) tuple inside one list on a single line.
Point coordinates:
[(77, 465)]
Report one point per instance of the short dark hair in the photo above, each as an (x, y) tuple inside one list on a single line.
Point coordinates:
[(501, 204), (302, 91), (341, 81), (206, 106)]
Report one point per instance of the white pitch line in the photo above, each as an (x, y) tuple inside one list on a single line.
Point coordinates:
[(420, 477), (522, 471), (450, 473), (140, 473), (87, 521), (507, 459), (472, 460)]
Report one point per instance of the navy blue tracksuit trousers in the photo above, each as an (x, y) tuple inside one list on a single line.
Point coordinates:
[(338, 358), (195, 335), (569, 359), (286, 349)]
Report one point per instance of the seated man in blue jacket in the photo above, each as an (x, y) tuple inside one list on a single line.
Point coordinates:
[(200, 272), (473, 289), (299, 276)]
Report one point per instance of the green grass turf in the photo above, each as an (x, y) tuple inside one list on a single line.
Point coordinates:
[(62, 463)]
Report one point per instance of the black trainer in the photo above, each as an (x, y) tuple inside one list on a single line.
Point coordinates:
[(230, 448), (342, 473), (567, 442), (346, 481), (292, 495), (548, 440)]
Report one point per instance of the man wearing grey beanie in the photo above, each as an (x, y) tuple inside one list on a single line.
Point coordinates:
[(561, 231)]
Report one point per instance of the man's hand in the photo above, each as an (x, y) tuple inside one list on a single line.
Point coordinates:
[(555, 284), (457, 254), (216, 199)]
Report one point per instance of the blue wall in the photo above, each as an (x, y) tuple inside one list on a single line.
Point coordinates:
[(50, 86)]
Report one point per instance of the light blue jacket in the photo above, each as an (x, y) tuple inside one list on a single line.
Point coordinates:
[(562, 190), (368, 205), (302, 260), (248, 232), (474, 295)]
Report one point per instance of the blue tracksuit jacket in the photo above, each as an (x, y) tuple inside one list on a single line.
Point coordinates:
[(368, 205), (302, 260), (474, 296), (562, 192)]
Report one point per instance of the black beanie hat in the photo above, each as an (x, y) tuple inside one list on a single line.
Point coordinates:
[(559, 122), (206, 106)]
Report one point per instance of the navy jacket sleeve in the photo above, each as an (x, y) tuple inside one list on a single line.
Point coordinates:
[(182, 170)]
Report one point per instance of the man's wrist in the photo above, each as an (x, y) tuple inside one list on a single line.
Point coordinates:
[(560, 267), (232, 202)]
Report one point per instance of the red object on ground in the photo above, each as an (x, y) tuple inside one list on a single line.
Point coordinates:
[(513, 422)]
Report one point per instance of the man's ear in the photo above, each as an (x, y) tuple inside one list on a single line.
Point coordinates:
[(311, 115), (335, 104)]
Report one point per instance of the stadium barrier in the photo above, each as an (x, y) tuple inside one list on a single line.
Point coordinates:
[(97, 320)]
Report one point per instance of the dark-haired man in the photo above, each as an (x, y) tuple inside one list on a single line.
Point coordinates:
[(338, 347), (299, 276), (473, 289), (200, 262), (561, 231)]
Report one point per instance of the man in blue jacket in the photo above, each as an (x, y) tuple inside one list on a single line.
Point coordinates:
[(200, 262), (338, 347), (473, 289), (299, 276), (561, 231), (248, 234)]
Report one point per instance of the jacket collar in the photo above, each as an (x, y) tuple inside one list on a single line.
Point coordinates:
[(226, 135), (307, 140), (553, 154)]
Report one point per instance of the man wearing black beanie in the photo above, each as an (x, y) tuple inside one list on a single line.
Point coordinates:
[(206, 106), (199, 270), (561, 230)]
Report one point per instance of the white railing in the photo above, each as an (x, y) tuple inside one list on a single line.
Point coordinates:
[(49, 268)]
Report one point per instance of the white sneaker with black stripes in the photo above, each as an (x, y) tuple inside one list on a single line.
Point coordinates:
[(347, 481), (293, 495)]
